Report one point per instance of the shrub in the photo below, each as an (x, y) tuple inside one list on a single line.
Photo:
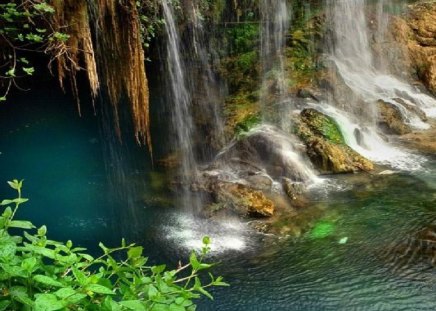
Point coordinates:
[(44, 275)]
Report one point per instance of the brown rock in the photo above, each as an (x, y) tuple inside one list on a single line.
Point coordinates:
[(242, 199), (390, 119), (417, 33), (325, 145)]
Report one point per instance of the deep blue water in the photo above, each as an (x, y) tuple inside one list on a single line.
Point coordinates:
[(60, 156)]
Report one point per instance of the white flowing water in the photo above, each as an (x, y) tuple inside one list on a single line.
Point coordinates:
[(214, 91), (288, 149), (352, 55), (275, 24), (181, 104), (366, 141)]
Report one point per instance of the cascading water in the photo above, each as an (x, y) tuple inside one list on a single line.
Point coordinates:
[(353, 59), (182, 122), (185, 228), (275, 24), (213, 89)]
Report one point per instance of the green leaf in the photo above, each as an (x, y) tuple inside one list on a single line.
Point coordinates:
[(14, 271), (19, 293), (136, 305), (48, 302), (11, 73), (194, 261), (7, 249), (6, 202), (134, 252), (29, 70), (174, 307), (80, 276), (46, 280), (158, 269), (69, 295), (152, 292), (14, 184), (7, 213), (42, 231), (29, 264), (99, 289), (44, 7), (20, 200), (4, 305), (21, 224)]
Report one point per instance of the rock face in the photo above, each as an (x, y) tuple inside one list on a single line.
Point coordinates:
[(391, 120), (325, 144), (418, 34)]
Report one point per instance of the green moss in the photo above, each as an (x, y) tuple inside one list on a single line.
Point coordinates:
[(247, 124), (323, 125)]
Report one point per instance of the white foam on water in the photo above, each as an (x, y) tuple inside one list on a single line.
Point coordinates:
[(187, 231)]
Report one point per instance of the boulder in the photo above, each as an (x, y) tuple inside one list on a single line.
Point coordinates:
[(264, 151), (390, 119), (241, 199), (325, 144)]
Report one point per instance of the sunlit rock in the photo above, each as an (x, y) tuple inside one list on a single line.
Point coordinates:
[(325, 144)]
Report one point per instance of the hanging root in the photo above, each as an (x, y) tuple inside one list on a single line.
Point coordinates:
[(113, 59)]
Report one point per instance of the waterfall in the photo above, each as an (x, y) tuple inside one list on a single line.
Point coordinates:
[(182, 121), (275, 99), (353, 59), (275, 25), (213, 90)]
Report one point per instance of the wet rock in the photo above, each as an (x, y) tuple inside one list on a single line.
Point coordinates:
[(293, 189), (241, 199), (325, 144), (416, 34), (263, 151), (309, 94), (412, 108), (390, 119)]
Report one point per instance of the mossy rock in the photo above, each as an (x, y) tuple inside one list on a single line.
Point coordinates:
[(325, 144), (323, 125)]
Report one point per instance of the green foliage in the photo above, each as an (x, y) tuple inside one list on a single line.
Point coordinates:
[(43, 275), (151, 20), (24, 27), (243, 38)]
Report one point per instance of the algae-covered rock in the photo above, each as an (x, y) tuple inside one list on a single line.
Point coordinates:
[(325, 144), (322, 125)]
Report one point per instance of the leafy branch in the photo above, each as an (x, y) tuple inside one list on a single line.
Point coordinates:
[(43, 274)]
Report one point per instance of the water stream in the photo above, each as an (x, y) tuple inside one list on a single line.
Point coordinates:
[(353, 59)]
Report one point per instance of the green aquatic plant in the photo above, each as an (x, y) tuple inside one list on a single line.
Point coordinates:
[(322, 230), (45, 275)]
